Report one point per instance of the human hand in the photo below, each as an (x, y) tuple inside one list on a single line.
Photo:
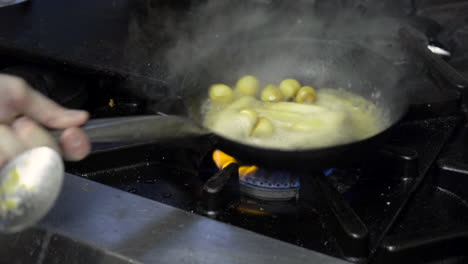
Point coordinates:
[(25, 112)]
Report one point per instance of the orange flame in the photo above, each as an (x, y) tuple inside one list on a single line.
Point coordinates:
[(222, 160)]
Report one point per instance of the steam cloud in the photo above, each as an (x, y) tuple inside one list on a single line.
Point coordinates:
[(177, 41)]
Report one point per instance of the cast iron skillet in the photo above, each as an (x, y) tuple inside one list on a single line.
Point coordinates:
[(320, 63)]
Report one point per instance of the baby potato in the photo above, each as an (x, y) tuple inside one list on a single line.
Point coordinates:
[(289, 88), (247, 85), (243, 102), (234, 124), (306, 95), (271, 93), (221, 93), (263, 128)]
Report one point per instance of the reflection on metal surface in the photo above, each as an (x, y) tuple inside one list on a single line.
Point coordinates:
[(10, 2), (150, 232), (29, 187), (251, 211), (439, 51)]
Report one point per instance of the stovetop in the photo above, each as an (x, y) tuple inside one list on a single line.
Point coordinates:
[(407, 204), (354, 213)]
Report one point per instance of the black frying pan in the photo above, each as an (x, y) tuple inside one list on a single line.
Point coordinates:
[(319, 63)]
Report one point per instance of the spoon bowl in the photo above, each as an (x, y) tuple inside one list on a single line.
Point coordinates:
[(29, 186)]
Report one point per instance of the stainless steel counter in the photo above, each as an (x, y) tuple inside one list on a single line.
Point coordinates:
[(151, 232)]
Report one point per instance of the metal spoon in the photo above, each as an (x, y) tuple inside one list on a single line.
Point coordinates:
[(29, 186), (139, 128), (31, 183)]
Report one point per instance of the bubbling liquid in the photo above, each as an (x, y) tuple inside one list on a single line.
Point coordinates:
[(336, 117)]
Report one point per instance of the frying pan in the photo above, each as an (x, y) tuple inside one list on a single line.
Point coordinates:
[(320, 63)]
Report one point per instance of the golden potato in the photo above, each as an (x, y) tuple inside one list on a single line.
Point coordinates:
[(233, 123), (306, 95), (289, 88), (221, 93), (243, 102), (247, 85), (263, 128), (271, 93)]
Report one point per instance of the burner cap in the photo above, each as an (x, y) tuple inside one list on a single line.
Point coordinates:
[(266, 185)]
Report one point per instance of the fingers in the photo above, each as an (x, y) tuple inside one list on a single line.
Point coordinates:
[(32, 135), (8, 97), (75, 144), (19, 98), (10, 145), (16, 99), (51, 114)]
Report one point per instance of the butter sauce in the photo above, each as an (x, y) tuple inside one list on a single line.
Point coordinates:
[(336, 117)]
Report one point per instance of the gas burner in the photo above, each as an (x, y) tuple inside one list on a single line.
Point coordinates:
[(260, 183), (266, 185)]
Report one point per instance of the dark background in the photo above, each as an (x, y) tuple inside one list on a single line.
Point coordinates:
[(95, 34)]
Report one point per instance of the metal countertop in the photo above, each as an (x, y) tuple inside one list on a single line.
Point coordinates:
[(151, 232)]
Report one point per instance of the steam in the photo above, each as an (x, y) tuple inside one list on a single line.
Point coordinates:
[(184, 40)]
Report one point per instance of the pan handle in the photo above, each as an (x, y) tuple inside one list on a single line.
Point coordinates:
[(138, 129), (418, 44)]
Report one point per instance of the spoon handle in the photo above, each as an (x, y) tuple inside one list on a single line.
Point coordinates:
[(138, 128)]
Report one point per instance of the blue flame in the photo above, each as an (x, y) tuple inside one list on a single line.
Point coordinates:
[(328, 172)]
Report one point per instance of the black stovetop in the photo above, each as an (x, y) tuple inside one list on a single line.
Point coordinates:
[(356, 213), (408, 204)]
